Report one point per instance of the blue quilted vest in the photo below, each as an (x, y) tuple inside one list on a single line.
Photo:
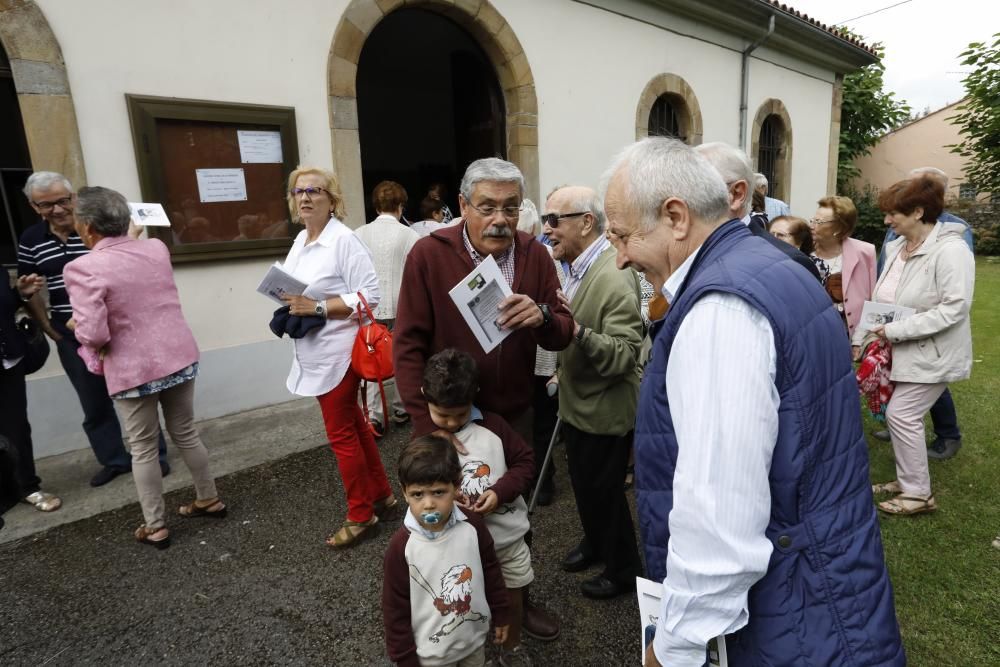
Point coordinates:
[(826, 598)]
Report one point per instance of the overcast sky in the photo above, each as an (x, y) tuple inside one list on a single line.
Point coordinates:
[(922, 40)]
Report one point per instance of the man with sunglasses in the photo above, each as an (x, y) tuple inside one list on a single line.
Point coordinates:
[(598, 387), (45, 248), (427, 320)]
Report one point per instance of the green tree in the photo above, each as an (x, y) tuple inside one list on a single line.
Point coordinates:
[(979, 116), (866, 113)]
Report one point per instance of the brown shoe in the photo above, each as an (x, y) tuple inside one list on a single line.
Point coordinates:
[(352, 532), (539, 623)]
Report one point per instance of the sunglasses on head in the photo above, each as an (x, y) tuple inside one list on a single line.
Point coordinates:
[(552, 219)]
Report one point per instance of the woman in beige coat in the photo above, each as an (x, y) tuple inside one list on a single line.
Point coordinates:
[(930, 269)]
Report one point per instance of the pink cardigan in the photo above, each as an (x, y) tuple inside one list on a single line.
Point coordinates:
[(858, 277), (125, 303)]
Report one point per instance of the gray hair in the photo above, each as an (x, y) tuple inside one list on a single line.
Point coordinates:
[(104, 209), (659, 168), (44, 180), (931, 171), (529, 221), (587, 201), (490, 169), (760, 181), (732, 164)]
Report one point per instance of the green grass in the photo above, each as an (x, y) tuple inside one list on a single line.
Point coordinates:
[(945, 574)]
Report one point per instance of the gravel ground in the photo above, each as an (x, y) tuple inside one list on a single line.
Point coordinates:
[(258, 587)]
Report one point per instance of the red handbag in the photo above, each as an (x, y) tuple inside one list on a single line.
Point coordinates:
[(371, 357)]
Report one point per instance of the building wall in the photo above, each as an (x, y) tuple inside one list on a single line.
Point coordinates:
[(922, 143), (589, 75)]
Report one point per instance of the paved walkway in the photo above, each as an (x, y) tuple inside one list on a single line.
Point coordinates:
[(258, 587)]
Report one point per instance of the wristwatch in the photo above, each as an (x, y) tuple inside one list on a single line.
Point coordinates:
[(321, 308), (546, 313), (582, 333)]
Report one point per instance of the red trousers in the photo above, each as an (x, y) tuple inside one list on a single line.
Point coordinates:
[(354, 447)]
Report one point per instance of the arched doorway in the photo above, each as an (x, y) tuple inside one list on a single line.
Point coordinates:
[(15, 167), (429, 103)]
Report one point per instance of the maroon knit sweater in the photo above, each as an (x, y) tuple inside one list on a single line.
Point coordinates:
[(427, 321)]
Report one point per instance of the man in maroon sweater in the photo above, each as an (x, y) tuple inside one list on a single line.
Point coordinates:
[(427, 320)]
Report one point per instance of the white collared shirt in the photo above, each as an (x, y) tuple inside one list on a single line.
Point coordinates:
[(578, 269), (337, 263), (724, 405)]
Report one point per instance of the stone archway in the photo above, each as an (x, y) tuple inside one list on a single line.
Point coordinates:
[(783, 163), (679, 90), (42, 90), (496, 37)]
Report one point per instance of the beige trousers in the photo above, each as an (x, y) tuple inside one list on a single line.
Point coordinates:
[(905, 416), (475, 659), (141, 421)]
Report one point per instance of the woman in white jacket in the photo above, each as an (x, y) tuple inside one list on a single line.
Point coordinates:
[(930, 269)]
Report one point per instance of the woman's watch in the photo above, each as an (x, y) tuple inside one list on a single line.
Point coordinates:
[(321, 308)]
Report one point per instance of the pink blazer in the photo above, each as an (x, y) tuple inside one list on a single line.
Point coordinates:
[(125, 303), (859, 278)]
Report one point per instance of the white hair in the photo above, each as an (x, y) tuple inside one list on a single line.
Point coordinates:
[(732, 163), (587, 200), (490, 169), (760, 181), (931, 171), (44, 180), (529, 221), (659, 168)]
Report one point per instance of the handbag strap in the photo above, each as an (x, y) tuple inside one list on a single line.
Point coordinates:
[(368, 310)]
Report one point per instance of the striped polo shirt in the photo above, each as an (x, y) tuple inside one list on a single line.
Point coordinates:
[(42, 252)]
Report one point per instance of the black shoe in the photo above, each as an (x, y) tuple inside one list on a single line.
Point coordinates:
[(882, 435), (105, 475), (164, 468), (602, 588), (943, 448), (576, 561)]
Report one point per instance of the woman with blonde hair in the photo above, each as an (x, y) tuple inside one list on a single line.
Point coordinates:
[(337, 269)]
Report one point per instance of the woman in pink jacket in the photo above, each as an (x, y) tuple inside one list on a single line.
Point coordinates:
[(127, 317), (846, 265)]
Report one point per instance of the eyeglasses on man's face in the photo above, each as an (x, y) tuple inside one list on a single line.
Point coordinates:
[(488, 211), (619, 239), (311, 191), (46, 206), (552, 219)]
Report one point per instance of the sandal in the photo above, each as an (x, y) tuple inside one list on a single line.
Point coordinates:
[(144, 535), (387, 508), (43, 502), (904, 505), (888, 487), (194, 509), (351, 533)]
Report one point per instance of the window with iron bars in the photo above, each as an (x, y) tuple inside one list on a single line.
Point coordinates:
[(772, 140), (665, 118)]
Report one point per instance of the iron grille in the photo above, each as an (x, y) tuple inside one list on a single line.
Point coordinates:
[(664, 120), (771, 139)]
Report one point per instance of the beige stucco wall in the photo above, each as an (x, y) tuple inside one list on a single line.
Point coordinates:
[(922, 143)]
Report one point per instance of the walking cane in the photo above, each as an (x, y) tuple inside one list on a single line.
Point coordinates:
[(545, 466)]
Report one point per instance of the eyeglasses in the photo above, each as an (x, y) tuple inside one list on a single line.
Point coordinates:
[(311, 191), (621, 239), (815, 222), (552, 219), (47, 206), (509, 212)]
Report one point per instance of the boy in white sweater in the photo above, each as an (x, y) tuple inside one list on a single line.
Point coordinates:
[(442, 581), (497, 468)]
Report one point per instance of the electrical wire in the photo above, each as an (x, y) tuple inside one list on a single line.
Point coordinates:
[(871, 13)]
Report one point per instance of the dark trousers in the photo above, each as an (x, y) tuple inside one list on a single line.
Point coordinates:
[(15, 428), (597, 471), (546, 409), (100, 422), (945, 419)]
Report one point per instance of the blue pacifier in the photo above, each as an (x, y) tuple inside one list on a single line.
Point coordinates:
[(430, 517)]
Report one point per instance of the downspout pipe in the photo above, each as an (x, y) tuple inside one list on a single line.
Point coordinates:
[(745, 81)]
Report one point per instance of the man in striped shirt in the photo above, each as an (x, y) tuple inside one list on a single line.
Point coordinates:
[(45, 248)]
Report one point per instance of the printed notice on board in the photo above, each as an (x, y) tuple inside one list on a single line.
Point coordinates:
[(478, 296), (259, 146), (216, 185)]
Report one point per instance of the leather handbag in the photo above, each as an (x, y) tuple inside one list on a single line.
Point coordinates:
[(371, 357), (36, 347)]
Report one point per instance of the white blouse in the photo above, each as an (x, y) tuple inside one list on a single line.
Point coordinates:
[(335, 264)]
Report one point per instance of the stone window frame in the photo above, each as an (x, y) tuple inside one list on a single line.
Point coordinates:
[(43, 91), (686, 104), (497, 39), (783, 163)]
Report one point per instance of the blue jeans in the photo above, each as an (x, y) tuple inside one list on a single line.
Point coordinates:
[(100, 422), (945, 419)]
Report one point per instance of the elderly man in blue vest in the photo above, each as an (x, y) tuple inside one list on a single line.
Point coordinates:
[(755, 504)]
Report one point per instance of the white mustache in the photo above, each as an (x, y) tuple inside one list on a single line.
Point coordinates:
[(497, 232)]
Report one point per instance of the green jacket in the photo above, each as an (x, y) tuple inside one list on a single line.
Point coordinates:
[(599, 377)]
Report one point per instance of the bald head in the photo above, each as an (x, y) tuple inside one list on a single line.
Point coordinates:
[(583, 222), (933, 172)]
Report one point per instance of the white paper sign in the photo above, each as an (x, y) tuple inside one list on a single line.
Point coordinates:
[(278, 282), (649, 594), (879, 314), (148, 215), (477, 296), (259, 146), (215, 185)]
